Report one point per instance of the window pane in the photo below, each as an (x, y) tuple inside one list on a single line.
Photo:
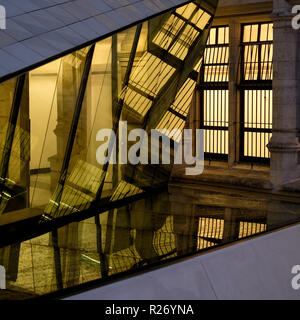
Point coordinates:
[(258, 117), (257, 63), (215, 101), (60, 86), (250, 33)]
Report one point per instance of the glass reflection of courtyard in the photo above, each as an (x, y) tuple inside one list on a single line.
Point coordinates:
[(183, 220)]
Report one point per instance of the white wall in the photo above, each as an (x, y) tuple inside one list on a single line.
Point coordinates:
[(254, 269)]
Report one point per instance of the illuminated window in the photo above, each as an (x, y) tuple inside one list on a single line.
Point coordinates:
[(256, 91), (249, 228), (214, 93)]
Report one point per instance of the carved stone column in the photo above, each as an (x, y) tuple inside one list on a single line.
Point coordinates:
[(284, 144)]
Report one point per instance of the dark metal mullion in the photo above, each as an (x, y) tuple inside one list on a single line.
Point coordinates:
[(258, 130), (249, 105), (221, 45), (213, 85), (259, 46), (256, 118), (221, 121), (120, 104), (253, 85), (140, 92), (57, 259), (104, 263), (221, 128), (267, 52), (263, 123), (177, 114), (217, 35), (216, 64), (257, 42), (201, 93), (104, 267), (187, 21), (242, 127), (213, 117), (75, 121), (182, 29), (217, 119)]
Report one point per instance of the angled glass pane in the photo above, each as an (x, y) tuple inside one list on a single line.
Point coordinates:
[(60, 89), (15, 145)]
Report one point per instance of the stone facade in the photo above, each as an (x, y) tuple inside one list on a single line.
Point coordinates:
[(284, 170)]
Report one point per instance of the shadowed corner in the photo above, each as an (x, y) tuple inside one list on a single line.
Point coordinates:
[(2, 278)]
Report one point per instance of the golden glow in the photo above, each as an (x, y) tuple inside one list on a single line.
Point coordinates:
[(249, 228), (258, 51), (258, 104), (215, 101), (181, 105)]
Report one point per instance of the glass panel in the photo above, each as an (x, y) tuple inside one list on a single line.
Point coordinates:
[(251, 33), (43, 96), (258, 109), (266, 33), (256, 144), (267, 62), (187, 11), (212, 36), (61, 84), (258, 58), (251, 55), (202, 23)]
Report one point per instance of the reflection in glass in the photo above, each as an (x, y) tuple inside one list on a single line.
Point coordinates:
[(154, 229), (146, 76)]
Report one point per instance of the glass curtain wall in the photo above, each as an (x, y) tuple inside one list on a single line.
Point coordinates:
[(51, 116)]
